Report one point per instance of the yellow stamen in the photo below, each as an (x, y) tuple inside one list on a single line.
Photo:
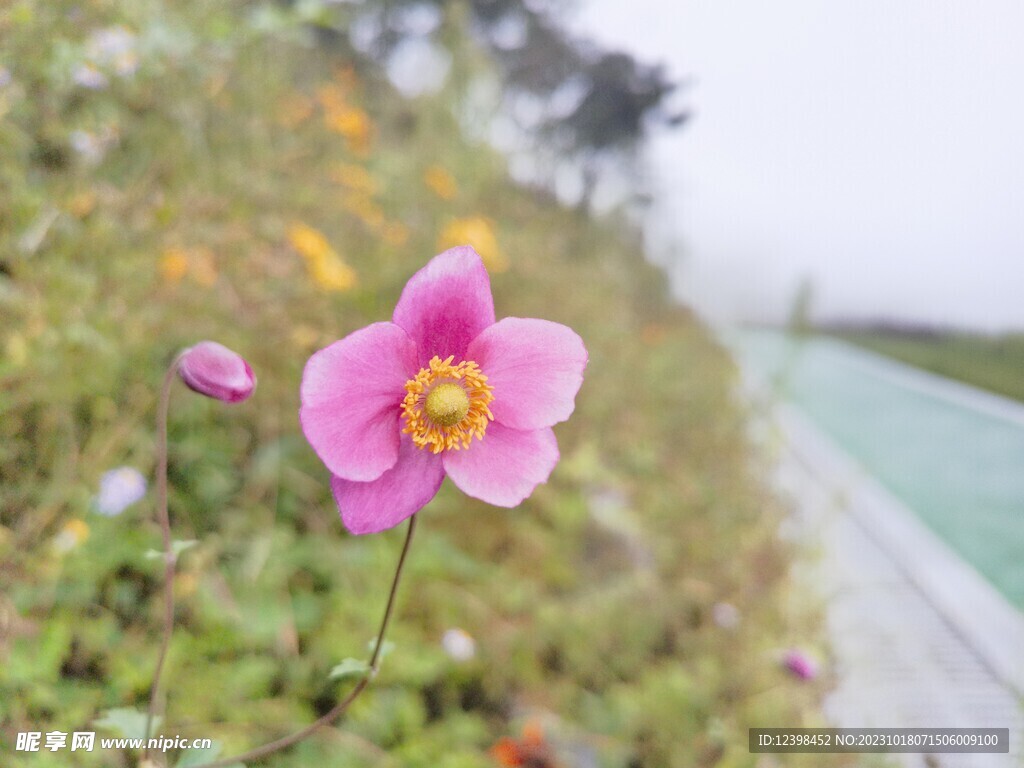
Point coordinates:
[(446, 405)]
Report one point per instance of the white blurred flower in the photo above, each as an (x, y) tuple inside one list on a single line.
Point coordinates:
[(93, 146), (88, 145), (418, 66), (114, 47), (88, 76), (459, 644), (5, 77), (119, 489), (71, 535), (726, 615)]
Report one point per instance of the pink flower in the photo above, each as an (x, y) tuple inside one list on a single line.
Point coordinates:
[(443, 389), (800, 664), (213, 370)]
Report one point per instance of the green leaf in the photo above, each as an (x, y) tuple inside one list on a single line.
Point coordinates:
[(195, 758), (191, 758), (177, 547), (127, 722), (349, 668)]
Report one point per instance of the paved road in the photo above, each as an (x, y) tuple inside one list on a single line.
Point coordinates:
[(952, 453), (919, 638)]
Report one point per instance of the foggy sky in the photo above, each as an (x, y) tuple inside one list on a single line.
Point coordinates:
[(874, 147)]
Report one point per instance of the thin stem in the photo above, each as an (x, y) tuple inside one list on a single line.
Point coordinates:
[(341, 706), (165, 529)]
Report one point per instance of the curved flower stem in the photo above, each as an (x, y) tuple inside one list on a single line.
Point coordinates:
[(165, 528), (338, 709)]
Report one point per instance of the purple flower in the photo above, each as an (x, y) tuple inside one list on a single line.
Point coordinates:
[(800, 664), (213, 370), (443, 389), (119, 489), (88, 76)]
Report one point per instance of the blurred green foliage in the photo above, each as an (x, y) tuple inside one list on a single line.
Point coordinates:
[(995, 363), (159, 209)]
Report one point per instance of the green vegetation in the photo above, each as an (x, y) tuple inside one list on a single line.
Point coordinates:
[(995, 363), (240, 182)]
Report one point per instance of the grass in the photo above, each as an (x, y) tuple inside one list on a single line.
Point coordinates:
[(591, 605), (994, 363)]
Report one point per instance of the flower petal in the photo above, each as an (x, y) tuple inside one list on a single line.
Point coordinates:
[(399, 493), (536, 369), (505, 466), (446, 304), (351, 400), (213, 370)]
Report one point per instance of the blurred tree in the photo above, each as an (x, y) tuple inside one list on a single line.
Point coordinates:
[(594, 106), (584, 108), (799, 322)]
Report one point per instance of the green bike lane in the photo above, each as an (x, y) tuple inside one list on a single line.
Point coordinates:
[(952, 454)]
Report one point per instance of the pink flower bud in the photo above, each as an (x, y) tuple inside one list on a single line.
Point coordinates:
[(213, 370), (800, 664)]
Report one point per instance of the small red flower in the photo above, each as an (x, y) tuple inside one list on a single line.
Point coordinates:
[(530, 751)]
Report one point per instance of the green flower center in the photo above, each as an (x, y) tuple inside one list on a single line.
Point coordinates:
[(447, 404)]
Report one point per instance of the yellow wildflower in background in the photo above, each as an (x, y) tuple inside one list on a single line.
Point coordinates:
[(323, 264), (309, 242), (440, 182), (354, 177), (71, 535), (82, 204), (294, 109), (344, 117), (198, 262), (353, 124), (332, 274), (331, 96), (174, 264), (477, 231), (335, 91), (346, 78)]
